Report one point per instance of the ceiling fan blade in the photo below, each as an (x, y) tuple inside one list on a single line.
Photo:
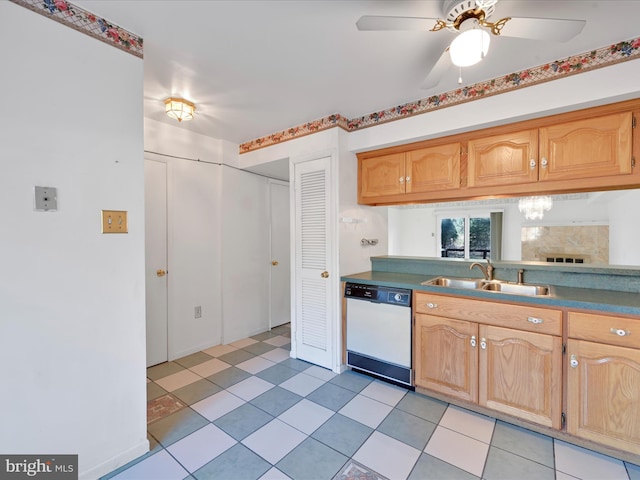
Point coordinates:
[(374, 22), (437, 72), (554, 29)]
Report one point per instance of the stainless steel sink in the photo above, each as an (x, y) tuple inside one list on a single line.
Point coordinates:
[(467, 283), (490, 286), (517, 288)]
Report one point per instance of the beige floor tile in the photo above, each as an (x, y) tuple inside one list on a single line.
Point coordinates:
[(468, 423), (244, 342), (278, 341), (459, 450), (219, 350), (587, 464), (209, 367), (178, 380), (387, 456)]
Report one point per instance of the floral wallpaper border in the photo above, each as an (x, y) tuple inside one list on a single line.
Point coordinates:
[(605, 56), (86, 22)]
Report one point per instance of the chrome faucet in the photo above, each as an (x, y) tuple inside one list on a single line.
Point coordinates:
[(520, 276), (486, 271)]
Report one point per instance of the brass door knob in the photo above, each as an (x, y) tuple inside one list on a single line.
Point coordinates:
[(274, 263), (161, 273), (324, 274)]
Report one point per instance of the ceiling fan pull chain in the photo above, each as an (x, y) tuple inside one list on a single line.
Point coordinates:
[(460, 76)]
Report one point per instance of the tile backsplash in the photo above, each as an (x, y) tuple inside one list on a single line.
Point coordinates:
[(566, 244)]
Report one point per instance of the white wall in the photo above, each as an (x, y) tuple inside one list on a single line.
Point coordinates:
[(194, 243), (72, 321), (356, 221), (601, 86), (624, 228), (245, 254)]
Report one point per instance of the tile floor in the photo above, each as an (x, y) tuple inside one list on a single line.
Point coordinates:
[(249, 411)]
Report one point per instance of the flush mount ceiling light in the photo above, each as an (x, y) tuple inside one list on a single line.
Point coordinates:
[(533, 208), (179, 108), (470, 46)]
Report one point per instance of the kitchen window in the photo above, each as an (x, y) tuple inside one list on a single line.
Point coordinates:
[(470, 236)]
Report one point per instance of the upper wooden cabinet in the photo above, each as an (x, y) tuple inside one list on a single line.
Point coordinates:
[(503, 159), (594, 147), (422, 170), (586, 150), (383, 175)]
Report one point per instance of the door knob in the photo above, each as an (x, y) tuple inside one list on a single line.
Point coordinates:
[(161, 273), (274, 262), (324, 274)]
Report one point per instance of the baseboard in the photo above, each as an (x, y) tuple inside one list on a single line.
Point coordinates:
[(115, 462)]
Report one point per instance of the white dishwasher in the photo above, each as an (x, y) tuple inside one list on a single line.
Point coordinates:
[(379, 331)]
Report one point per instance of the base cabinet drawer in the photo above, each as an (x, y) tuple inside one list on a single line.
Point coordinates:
[(520, 317), (609, 329), (603, 395)]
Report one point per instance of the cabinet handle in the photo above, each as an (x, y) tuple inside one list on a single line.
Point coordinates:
[(544, 162), (432, 305), (483, 343), (473, 341), (573, 361), (532, 164), (535, 320), (620, 332), (408, 179), (401, 180)]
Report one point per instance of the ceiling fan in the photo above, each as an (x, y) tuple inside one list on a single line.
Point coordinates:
[(469, 20)]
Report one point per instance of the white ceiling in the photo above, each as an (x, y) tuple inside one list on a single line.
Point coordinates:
[(258, 67)]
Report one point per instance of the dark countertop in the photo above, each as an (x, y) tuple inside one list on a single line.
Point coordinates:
[(567, 297)]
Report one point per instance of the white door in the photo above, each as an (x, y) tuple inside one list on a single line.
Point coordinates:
[(314, 321), (155, 203), (280, 279)]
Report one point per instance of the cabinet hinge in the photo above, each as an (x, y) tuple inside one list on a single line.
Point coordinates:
[(633, 161), (633, 122), (563, 420), (564, 348)]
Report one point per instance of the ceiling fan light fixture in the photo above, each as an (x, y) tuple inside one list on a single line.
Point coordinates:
[(179, 108), (470, 47)]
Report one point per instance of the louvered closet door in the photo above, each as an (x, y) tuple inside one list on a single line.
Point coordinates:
[(314, 318)]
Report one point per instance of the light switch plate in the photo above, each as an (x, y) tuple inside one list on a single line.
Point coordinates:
[(114, 221), (46, 199)]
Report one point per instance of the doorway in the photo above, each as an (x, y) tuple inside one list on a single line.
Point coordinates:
[(280, 273), (156, 292)]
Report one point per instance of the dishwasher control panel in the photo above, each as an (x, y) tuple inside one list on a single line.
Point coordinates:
[(378, 294)]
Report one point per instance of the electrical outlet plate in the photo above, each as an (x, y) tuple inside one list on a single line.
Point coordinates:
[(46, 199), (114, 221)]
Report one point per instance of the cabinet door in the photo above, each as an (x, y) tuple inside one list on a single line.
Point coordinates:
[(503, 159), (446, 358), (520, 374), (594, 147), (382, 175), (433, 168), (603, 398)]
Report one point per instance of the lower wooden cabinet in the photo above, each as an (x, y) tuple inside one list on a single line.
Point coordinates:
[(446, 356), (513, 371), (509, 358), (521, 374), (603, 379)]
